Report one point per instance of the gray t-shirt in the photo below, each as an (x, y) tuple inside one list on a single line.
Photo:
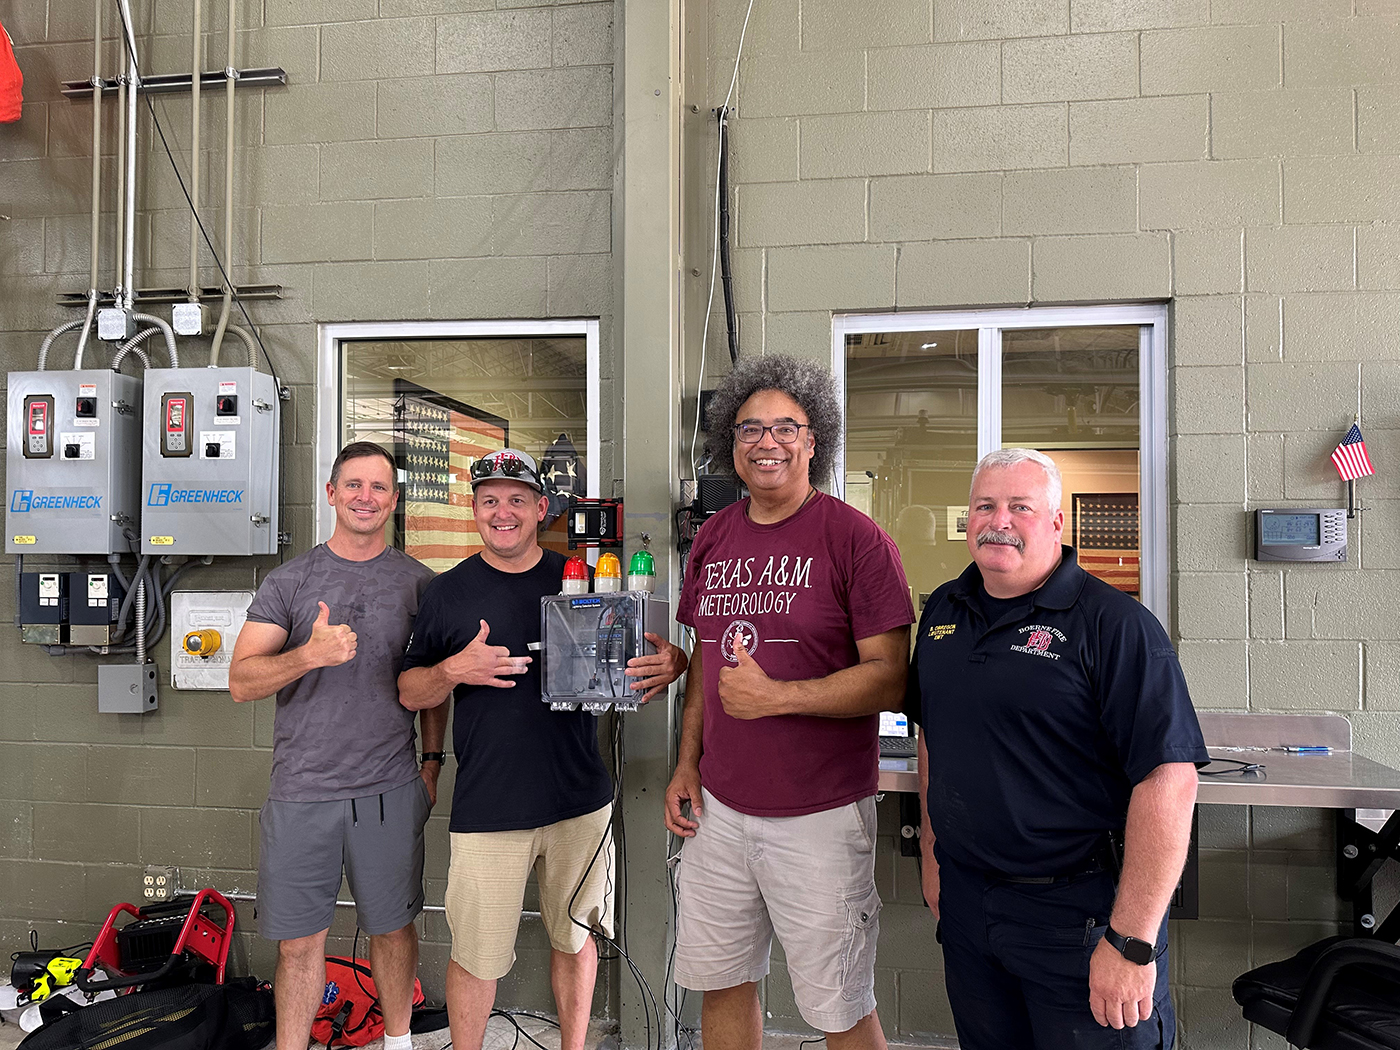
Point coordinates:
[(340, 732)]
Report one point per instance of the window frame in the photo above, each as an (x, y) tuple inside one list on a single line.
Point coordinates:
[(1151, 319), (330, 385)]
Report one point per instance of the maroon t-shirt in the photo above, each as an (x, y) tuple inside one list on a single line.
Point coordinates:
[(799, 593)]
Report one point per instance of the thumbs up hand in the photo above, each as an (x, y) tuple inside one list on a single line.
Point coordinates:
[(330, 645), (481, 664), (744, 690)]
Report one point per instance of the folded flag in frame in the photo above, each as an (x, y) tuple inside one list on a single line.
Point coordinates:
[(1350, 458)]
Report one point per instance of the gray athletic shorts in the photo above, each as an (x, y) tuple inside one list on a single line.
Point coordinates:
[(378, 842)]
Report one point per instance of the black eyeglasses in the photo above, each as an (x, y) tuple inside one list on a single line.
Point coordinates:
[(783, 433)]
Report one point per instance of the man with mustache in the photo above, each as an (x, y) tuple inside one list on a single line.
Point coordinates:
[(1058, 760), (327, 633)]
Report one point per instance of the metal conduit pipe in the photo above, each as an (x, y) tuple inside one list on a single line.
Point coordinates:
[(167, 331), (141, 621), (130, 347), (133, 73), (120, 208), (96, 176), (230, 77), (135, 352), (249, 342), (196, 68), (67, 326)]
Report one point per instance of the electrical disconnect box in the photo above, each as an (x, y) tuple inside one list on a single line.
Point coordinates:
[(126, 689), (586, 641), (73, 465), (204, 626), (210, 463)]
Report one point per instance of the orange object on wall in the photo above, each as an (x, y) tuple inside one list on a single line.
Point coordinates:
[(11, 81)]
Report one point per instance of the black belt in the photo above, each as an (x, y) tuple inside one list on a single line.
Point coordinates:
[(1106, 858), (1047, 880)]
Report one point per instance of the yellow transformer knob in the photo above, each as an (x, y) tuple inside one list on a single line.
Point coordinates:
[(203, 643)]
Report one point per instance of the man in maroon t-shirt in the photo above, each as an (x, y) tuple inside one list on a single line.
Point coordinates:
[(801, 616)]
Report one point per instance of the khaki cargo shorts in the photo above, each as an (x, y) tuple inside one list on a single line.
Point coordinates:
[(809, 879), (486, 889)]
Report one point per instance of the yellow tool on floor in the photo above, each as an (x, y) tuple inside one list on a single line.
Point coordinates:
[(57, 974)]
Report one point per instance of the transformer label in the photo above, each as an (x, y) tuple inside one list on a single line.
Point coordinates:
[(25, 500), (164, 494)]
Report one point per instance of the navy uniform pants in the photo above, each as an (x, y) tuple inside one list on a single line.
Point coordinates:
[(1016, 959)]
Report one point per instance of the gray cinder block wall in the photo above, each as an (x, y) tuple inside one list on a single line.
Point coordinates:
[(429, 159), (1229, 157), (454, 158), (1234, 158)]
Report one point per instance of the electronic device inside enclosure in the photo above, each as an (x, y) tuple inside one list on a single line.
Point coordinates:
[(586, 641)]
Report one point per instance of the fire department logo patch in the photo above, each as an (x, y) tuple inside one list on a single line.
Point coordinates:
[(740, 632), (1038, 640)]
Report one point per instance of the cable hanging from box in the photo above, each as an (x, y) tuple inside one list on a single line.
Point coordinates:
[(714, 255), (731, 321)]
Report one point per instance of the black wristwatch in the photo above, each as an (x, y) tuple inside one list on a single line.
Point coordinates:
[(432, 756), (1134, 949)]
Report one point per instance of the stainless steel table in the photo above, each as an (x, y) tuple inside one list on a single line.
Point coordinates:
[(1340, 780), (1365, 793)]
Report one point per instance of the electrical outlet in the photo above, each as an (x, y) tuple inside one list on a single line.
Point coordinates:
[(160, 882)]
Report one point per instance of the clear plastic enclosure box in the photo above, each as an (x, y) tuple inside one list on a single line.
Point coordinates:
[(586, 641)]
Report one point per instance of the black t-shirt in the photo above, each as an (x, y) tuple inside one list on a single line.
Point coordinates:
[(519, 764), (1039, 724)]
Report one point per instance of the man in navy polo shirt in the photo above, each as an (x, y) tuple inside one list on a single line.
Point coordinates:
[(1054, 716)]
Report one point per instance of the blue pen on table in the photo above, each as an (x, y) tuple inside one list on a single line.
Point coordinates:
[(1310, 749)]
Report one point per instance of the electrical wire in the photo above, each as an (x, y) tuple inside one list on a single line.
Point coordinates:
[(714, 257), (127, 33), (194, 212), (649, 1006)]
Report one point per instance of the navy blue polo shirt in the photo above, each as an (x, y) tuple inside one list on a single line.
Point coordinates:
[(1039, 723)]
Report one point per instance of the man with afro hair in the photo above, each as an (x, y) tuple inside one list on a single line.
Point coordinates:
[(801, 616)]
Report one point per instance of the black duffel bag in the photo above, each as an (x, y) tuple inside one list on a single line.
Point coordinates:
[(236, 1015)]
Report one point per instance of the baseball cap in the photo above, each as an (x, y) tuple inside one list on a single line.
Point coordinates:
[(508, 464)]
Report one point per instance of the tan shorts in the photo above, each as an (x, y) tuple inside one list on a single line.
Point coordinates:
[(486, 889), (810, 879)]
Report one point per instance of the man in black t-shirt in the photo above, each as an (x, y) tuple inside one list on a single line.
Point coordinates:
[(532, 791), (1055, 716)]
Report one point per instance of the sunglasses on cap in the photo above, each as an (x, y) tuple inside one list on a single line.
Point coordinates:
[(505, 464)]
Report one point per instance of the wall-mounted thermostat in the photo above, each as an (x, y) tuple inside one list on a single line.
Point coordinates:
[(1300, 534)]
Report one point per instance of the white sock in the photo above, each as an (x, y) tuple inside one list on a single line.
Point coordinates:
[(398, 1042)]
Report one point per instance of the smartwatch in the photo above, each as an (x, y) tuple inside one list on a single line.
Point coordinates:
[(432, 756), (1134, 949)]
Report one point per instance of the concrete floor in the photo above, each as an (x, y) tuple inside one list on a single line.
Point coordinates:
[(500, 1035)]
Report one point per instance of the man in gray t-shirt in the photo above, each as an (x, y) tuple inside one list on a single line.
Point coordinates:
[(327, 633)]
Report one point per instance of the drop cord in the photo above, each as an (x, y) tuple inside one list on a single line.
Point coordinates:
[(714, 256)]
